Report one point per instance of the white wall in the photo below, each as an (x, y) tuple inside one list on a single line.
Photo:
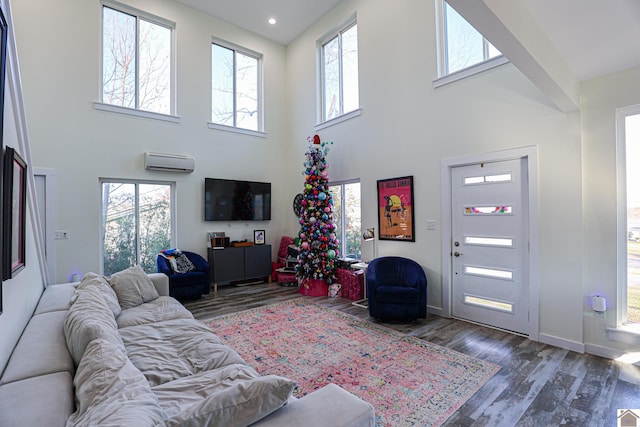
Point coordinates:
[(59, 49), (407, 127), (600, 99), (21, 293)]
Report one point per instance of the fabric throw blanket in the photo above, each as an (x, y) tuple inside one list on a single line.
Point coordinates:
[(178, 261)]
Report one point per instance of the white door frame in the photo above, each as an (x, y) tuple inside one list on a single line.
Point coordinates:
[(531, 154)]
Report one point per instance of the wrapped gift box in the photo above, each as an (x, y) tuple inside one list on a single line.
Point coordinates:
[(334, 290), (352, 282)]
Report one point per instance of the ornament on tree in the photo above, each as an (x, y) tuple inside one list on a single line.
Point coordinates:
[(319, 246)]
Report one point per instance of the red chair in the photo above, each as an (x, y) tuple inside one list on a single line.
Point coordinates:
[(283, 251)]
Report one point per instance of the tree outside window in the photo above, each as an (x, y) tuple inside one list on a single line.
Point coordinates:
[(346, 217), (136, 224), (464, 46), (235, 93), (340, 92), (136, 62)]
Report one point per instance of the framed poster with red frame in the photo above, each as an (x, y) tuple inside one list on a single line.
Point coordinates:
[(395, 209)]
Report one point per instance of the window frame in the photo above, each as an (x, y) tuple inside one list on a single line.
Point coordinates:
[(343, 229), (624, 331), (443, 75), (137, 182), (260, 132), (153, 19), (323, 122)]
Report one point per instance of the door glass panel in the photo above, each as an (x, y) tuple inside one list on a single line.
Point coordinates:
[(489, 241), (488, 303), (488, 210), (470, 180), (488, 272)]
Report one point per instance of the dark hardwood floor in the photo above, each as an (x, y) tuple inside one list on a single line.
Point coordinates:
[(537, 385)]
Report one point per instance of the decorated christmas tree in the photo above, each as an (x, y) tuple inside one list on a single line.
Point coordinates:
[(317, 239)]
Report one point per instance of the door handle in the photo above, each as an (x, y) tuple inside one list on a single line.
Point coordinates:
[(456, 254)]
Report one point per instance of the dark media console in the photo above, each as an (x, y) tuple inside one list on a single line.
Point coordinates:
[(239, 264)]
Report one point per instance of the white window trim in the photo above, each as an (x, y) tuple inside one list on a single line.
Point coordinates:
[(232, 129), (343, 213), (441, 48), (135, 112), (352, 20), (260, 58), (623, 332), (343, 118), (470, 71), (173, 85)]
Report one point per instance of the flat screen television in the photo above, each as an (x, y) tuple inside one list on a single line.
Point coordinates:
[(234, 200)]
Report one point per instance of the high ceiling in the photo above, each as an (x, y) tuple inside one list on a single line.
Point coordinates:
[(292, 16), (593, 37)]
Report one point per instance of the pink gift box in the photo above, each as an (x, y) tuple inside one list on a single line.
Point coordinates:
[(352, 282)]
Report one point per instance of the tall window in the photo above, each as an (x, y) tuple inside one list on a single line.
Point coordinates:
[(462, 46), (236, 76), (346, 217), (339, 72), (137, 223), (136, 60), (632, 151)]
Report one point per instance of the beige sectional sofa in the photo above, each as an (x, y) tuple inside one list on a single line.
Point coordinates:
[(122, 352)]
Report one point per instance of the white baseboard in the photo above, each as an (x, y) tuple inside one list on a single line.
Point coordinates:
[(435, 310), (562, 343)]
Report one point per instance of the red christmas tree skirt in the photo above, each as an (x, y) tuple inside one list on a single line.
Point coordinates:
[(314, 288)]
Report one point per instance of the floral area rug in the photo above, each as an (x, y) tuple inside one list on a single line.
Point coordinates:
[(409, 381)]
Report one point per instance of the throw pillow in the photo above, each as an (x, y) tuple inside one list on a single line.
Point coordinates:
[(110, 297), (183, 264), (133, 287)]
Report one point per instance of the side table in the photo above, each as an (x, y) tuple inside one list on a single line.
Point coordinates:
[(364, 302)]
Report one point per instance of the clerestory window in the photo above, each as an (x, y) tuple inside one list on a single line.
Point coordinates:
[(462, 49), (137, 58), (236, 87), (338, 53)]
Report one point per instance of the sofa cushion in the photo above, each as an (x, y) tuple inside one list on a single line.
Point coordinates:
[(234, 395), (133, 287), (160, 309), (165, 351), (89, 318), (99, 281), (41, 349), (55, 298), (111, 391), (328, 406), (46, 400)]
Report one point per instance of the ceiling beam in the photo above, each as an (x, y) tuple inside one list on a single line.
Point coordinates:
[(511, 28)]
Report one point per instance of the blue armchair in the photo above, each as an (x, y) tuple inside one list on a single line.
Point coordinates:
[(396, 289), (187, 285)]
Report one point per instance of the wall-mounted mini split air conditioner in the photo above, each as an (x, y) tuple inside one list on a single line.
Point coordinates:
[(168, 162)]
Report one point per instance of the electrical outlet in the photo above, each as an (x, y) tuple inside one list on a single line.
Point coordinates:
[(61, 234), (431, 224)]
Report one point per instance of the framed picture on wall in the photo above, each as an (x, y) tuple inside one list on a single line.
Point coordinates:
[(395, 209), (14, 213)]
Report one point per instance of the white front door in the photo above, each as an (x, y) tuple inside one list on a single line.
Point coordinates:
[(490, 244)]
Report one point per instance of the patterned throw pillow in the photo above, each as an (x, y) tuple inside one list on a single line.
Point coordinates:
[(183, 264)]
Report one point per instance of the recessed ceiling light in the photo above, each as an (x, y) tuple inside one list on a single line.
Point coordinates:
[(272, 21)]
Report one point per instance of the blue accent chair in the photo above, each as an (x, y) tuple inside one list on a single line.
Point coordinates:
[(189, 285), (396, 289)]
